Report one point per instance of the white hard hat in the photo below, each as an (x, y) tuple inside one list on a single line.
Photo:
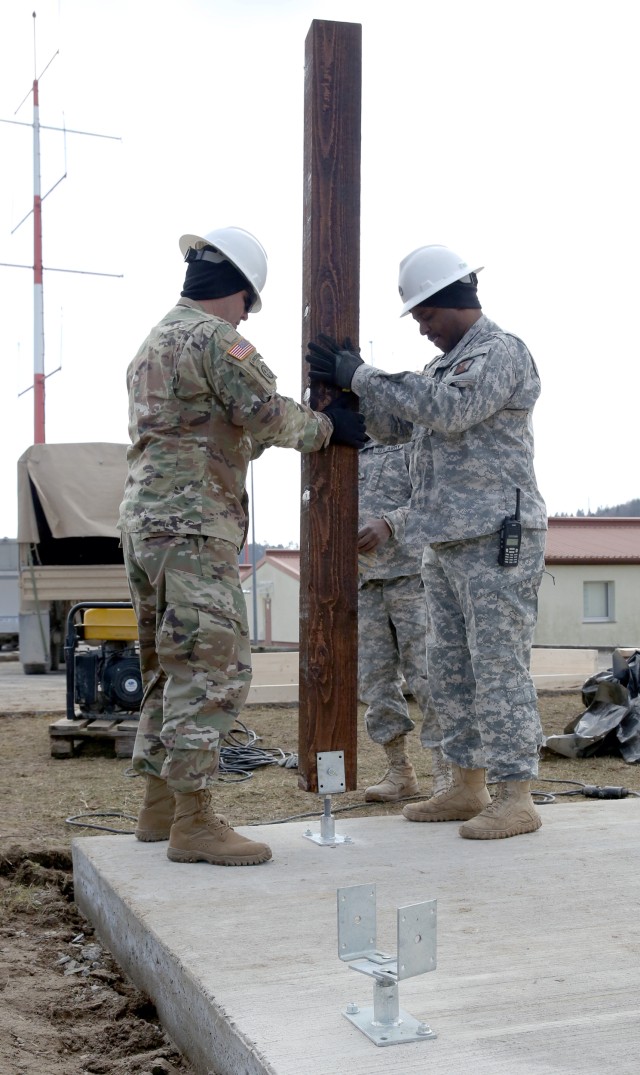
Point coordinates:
[(239, 247), (426, 271)]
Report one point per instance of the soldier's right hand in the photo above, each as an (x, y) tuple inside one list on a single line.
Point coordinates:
[(348, 425), (373, 535)]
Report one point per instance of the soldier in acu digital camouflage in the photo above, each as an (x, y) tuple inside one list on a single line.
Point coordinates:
[(202, 405), (479, 515), (392, 620)]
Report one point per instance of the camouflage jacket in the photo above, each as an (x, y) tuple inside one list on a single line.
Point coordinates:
[(384, 488), (469, 413), (202, 404)]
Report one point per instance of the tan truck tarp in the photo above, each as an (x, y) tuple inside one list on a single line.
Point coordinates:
[(79, 486)]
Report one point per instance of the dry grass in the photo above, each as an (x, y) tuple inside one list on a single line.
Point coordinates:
[(39, 793)]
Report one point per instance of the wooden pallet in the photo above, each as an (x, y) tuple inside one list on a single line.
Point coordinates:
[(69, 736)]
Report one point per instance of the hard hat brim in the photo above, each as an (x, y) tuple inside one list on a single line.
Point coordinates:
[(428, 292), (192, 240)]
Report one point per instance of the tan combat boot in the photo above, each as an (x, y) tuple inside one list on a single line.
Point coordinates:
[(399, 781), (512, 813), (199, 835), (465, 797), (156, 813), (440, 771)]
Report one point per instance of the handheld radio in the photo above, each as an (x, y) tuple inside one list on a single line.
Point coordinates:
[(510, 537)]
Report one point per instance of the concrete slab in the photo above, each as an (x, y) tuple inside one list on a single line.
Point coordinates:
[(554, 669), (538, 946)]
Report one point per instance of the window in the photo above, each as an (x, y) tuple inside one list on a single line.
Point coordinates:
[(598, 602)]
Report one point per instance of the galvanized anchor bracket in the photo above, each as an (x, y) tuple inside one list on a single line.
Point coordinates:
[(385, 1023), (331, 778)]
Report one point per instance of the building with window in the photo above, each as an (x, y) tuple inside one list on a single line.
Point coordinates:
[(590, 592), (589, 597), (272, 596)]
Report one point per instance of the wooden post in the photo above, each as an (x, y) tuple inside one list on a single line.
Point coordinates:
[(330, 304)]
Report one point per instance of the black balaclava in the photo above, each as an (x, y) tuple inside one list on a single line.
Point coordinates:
[(210, 276), (457, 296)]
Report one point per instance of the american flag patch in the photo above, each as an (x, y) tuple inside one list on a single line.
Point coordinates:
[(241, 349)]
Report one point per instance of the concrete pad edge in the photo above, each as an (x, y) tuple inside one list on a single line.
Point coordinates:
[(217, 1044)]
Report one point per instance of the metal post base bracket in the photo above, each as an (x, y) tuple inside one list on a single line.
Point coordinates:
[(405, 1029), (331, 778), (385, 1023)]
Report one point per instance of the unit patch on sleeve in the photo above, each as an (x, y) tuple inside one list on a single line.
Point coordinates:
[(240, 351), (462, 367), (466, 372)]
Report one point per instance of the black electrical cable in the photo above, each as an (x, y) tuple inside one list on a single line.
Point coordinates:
[(590, 791), (239, 756), (541, 798), (368, 806), (75, 820)]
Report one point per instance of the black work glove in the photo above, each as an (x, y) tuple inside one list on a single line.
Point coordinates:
[(348, 425), (333, 362)]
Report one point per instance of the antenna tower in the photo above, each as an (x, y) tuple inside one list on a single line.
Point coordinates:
[(39, 375)]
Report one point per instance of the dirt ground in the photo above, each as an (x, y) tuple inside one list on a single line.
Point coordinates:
[(65, 1006)]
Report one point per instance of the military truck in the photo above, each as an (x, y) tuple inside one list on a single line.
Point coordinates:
[(68, 544)]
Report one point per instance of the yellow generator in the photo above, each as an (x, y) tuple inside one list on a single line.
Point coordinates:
[(102, 661)]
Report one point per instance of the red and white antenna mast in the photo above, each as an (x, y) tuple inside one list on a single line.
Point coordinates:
[(38, 300), (39, 375)]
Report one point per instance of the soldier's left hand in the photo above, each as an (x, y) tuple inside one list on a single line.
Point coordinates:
[(332, 362)]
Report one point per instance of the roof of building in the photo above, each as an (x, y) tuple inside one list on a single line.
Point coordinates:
[(286, 560), (593, 540)]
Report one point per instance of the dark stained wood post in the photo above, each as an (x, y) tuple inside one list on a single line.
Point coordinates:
[(330, 303)]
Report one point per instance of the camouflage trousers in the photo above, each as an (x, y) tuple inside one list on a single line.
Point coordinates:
[(481, 620), (195, 652), (391, 643)]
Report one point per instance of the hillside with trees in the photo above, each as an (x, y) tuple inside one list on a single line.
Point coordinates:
[(629, 510)]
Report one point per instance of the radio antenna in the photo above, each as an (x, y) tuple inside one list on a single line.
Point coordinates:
[(39, 375)]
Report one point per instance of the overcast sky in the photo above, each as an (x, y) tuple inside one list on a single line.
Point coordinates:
[(502, 129)]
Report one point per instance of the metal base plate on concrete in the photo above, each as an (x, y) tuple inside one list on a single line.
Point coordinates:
[(326, 841), (331, 778), (407, 1028)]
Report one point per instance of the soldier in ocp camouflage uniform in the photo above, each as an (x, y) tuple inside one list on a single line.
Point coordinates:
[(469, 417), (202, 404), (392, 622)]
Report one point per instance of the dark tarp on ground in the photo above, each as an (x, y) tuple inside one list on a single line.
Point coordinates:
[(611, 722)]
